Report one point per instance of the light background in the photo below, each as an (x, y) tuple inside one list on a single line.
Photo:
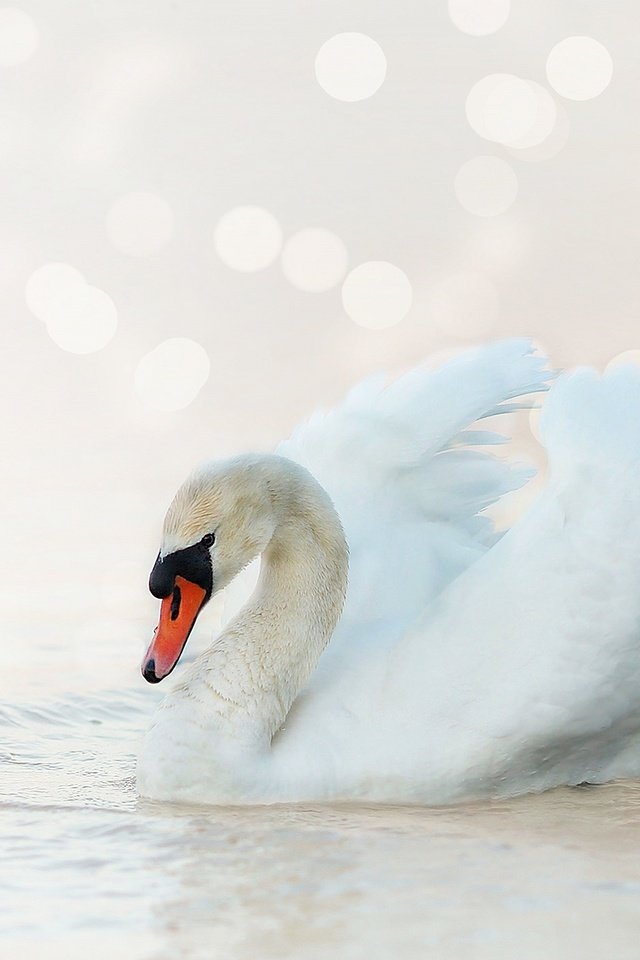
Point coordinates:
[(211, 106)]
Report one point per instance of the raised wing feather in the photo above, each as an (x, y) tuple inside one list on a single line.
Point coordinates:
[(398, 462), (535, 650), (415, 429), (524, 673)]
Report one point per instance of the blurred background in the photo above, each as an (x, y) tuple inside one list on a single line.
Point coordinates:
[(219, 216)]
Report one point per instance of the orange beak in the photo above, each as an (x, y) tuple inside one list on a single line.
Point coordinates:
[(178, 613)]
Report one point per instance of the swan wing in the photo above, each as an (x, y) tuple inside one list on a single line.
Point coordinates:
[(524, 673), (531, 674), (401, 463)]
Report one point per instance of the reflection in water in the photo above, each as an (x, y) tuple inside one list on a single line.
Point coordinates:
[(553, 875)]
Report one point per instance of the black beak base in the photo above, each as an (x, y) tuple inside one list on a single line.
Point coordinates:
[(192, 563)]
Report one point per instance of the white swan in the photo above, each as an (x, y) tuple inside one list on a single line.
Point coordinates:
[(462, 665)]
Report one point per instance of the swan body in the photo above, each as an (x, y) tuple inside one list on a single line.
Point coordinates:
[(396, 648)]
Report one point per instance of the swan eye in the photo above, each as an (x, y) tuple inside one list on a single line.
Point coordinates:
[(208, 540)]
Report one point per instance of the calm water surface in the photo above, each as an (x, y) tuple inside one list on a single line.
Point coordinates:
[(90, 870)]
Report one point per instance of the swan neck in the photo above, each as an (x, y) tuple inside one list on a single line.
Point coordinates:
[(267, 653)]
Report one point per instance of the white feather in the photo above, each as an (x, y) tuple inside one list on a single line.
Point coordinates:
[(461, 666)]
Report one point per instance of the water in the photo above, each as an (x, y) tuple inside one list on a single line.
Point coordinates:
[(89, 869)]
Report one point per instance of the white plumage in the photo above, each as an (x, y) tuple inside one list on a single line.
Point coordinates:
[(463, 664)]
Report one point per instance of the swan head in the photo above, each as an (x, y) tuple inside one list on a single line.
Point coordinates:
[(220, 519)]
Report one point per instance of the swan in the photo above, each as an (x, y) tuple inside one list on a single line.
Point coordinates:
[(396, 648)]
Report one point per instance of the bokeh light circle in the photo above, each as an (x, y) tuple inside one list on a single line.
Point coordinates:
[(551, 145), (545, 116), (314, 260), (477, 98), (18, 36), (48, 287), (79, 318), (377, 294), (509, 110), (465, 305), (248, 238), (350, 66), (172, 375), (84, 320), (624, 358), (486, 186), (579, 68), (479, 18), (139, 223)]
